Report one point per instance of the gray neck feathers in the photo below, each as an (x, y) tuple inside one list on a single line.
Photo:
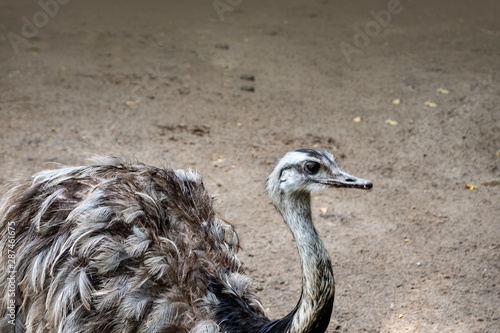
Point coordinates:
[(313, 311)]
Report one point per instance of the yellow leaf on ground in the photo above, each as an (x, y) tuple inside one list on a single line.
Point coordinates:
[(391, 122), (430, 104), (443, 91), (470, 186), (396, 101), (357, 119)]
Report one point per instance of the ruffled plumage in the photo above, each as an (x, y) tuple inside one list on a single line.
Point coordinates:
[(116, 247)]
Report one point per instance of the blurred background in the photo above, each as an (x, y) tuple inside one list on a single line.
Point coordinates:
[(405, 93)]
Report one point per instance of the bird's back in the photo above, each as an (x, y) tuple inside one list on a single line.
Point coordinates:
[(114, 247)]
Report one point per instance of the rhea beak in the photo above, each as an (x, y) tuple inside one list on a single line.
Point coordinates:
[(343, 179)]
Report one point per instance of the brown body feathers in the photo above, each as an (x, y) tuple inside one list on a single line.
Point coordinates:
[(115, 247)]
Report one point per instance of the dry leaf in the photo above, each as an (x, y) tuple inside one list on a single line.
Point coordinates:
[(396, 101), (132, 103), (430, 104), (400, 316), (391, 122), (470, 186), (443, 91), (218, 160), (357, 119), (323, 210)]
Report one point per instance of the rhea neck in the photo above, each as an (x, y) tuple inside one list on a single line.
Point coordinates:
[(312, 312)]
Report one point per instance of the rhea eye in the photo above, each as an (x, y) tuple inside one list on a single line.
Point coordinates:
[(311, 167)]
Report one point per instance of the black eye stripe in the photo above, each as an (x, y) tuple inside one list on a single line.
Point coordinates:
[(311, 152)]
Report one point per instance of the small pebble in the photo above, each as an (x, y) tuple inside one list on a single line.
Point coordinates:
[(248, 88), (247, 77), (222, 46)]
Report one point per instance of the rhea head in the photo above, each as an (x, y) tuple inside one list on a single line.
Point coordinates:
[(305, 170)]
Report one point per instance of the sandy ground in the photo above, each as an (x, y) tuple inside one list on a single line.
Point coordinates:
[(160, 81)]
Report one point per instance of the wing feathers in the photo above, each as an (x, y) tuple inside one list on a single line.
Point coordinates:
[(116, 247)]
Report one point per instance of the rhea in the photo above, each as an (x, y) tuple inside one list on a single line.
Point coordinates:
[(119, 246)]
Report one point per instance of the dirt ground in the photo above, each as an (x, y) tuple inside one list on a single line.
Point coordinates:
[(160, 81)]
